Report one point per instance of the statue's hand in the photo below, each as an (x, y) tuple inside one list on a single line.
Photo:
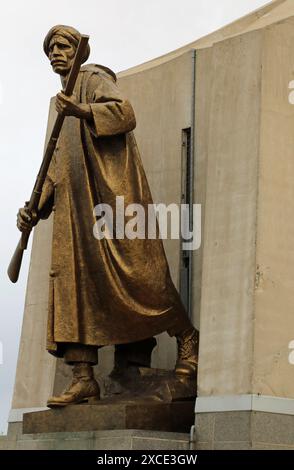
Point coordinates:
[(26, 220), (69, 106)]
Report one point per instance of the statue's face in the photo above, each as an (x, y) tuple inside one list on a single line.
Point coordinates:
[(61, 54)]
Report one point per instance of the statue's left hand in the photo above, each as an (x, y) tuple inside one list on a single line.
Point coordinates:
[(69, 106)]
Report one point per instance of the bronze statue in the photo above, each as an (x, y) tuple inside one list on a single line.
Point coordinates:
[(108, 291)]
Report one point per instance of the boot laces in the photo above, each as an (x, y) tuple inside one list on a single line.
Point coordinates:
[(187, 345)]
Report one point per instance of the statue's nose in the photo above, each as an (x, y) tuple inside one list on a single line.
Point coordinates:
[(55, 50)]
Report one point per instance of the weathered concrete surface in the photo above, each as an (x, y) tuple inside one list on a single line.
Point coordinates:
[(247, 317), (247, 303), (227, 302), (203, 89), (98, 440), (274, 294), (244, 430)]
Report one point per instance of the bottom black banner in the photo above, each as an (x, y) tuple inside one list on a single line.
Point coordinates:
[(134, 459)]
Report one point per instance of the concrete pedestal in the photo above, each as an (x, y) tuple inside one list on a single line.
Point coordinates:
[(244, 430), (173, 417), (96, 440)]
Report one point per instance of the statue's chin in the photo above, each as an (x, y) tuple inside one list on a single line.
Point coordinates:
[(63, 71)]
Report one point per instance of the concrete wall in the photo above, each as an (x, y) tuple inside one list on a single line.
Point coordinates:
[(274, 295), (247, 300), (203, 87), (227, 304), (245, 382)]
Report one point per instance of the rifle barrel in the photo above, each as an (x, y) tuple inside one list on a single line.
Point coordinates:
[(16, 261)]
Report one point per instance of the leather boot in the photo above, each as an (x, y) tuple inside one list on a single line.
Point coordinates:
[(187, 361), (83, 387)]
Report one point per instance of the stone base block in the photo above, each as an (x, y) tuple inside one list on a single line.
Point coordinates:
[(95, 440), (244, 430), (169, 417)]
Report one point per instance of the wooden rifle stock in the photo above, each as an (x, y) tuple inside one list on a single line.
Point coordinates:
[(16, 260)]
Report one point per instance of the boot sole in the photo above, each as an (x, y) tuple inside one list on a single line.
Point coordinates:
[(77, 402)]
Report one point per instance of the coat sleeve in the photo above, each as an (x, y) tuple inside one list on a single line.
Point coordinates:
[(112, 113)]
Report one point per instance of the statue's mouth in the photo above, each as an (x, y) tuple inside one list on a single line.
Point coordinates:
[(58, 62)]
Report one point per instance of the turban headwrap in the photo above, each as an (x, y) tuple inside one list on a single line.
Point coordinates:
[(71, 34)]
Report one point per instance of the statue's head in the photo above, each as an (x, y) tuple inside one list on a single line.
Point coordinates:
[(60, 46)]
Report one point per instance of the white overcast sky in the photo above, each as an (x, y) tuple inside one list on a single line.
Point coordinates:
[(123, 34)]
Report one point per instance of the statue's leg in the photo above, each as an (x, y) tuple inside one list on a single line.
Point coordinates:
[(74, 353), (132, 355), (83, 385)]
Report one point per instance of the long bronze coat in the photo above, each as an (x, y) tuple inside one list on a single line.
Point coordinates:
[(103, 292)]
